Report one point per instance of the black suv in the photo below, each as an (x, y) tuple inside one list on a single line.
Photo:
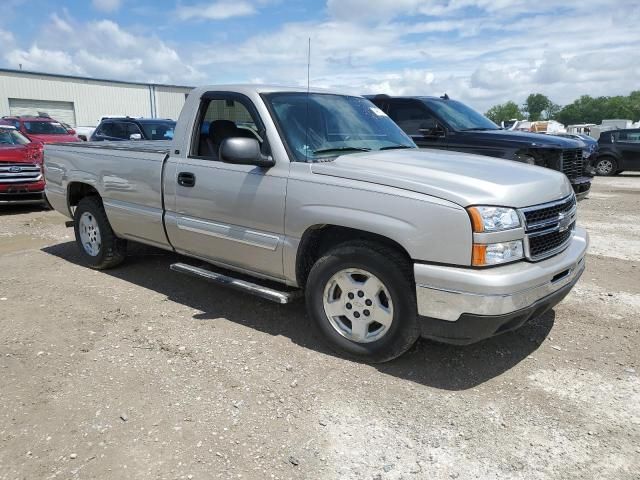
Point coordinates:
[(128, 128), (439, 122), (619, 150)]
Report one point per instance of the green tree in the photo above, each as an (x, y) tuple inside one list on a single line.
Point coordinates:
[(506, 111), (535, 105), (588, 109)]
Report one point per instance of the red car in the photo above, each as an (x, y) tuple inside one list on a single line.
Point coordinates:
[(21, 171), (42, 129)]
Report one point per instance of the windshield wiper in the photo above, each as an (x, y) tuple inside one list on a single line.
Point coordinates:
[(342, 149), (395, 147)]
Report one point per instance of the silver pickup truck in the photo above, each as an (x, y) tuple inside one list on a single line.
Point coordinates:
[(278, 191)]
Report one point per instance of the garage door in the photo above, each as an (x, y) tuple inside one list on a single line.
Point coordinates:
[(61, 111)]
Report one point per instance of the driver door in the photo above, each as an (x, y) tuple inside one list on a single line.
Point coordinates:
[(231, 215)]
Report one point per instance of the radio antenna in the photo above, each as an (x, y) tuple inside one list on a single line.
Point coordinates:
[(306, 140)]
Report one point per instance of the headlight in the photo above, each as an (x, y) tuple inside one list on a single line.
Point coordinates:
[(493, 219), (497, 253)]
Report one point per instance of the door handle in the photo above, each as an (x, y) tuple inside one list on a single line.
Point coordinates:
[(186, 179)]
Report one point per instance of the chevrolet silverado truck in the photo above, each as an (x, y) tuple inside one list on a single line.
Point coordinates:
[(444, 123), (289, 192)]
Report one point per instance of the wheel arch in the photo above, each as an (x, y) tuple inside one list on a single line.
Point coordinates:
[(76, 191), (320, 238)]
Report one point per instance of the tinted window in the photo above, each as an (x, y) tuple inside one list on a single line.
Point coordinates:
[(629, 136), (158, 131), (12, 137), (411, 116), (459, 116), (45, 128), (114, 129), (131, 129)]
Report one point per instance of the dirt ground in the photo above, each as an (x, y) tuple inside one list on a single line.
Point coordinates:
[(139, 372)]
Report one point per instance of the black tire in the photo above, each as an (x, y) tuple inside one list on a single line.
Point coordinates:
[(606, 166), (395, 272), (112, 250)]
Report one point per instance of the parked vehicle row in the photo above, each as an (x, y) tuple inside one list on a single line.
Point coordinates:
[(321, 194)]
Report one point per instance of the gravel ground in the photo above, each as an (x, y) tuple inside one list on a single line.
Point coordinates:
[(139, 372)]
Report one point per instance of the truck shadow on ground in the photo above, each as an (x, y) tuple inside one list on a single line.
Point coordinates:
[(6, 210), (428, 363)]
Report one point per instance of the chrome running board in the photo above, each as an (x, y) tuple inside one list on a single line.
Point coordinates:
[(268, 293)]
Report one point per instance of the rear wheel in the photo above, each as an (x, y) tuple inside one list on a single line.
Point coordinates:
[(361, 298), (99, 246), (606, 166)]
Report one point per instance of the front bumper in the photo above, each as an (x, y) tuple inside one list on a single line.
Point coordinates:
[(581, 186), (28, 193), (464, 305)]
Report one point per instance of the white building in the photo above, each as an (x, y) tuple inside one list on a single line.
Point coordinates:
[(81, 101)]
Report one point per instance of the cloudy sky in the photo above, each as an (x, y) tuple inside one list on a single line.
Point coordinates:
[(481, 51)]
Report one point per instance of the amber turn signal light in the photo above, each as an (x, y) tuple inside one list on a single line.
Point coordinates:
[(476, 220), (479, 255)]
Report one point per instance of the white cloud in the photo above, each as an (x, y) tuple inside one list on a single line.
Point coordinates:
[(107, 6), (40, 59), (128, 56), (220, 10), (480, 51)]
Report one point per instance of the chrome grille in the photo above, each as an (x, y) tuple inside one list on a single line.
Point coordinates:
[(572, 163), (548, 227), (20, 173)]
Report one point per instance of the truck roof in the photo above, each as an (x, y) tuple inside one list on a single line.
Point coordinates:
[(252, 88), (410, 97)]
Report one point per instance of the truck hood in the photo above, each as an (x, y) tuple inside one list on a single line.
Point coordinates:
[(536, 140), (29, 153), (460, 178), (57, 138)]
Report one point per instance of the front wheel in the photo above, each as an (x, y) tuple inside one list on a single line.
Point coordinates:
[(99, 246), (606, 166), (361, 298)]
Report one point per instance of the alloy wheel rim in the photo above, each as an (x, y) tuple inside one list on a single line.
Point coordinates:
[(90, 234), (605, 166), (358, 305)]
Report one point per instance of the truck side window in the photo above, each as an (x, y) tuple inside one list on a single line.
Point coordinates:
[(223, 118), (629, 136), (410, 116), (131, 129)]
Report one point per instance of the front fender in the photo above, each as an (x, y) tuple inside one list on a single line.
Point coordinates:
[(429, 229)]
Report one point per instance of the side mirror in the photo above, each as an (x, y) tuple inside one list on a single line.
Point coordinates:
[(71, 131), (244, 151), (135, 136)]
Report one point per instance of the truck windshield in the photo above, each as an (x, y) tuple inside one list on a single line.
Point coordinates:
[(319, 126), (9, 136), (460, 117)]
